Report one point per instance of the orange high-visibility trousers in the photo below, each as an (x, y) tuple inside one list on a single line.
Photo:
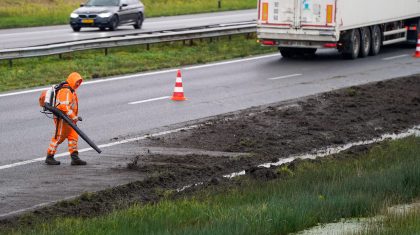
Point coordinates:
[(63, 132)]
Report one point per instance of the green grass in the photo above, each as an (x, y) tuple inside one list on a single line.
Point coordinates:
[(317, 192), (26, 13), (41, 71), (403, 224)]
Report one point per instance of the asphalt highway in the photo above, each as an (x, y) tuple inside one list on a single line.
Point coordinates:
[(128, 106), (118, 111), (25, 37)]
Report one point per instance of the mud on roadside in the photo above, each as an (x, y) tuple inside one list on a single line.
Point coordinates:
[(265, 134)]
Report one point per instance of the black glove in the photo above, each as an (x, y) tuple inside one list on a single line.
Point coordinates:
[(79, 118)]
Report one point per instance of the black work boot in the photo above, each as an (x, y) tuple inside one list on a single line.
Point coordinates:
[(51, 161), (75, 160)]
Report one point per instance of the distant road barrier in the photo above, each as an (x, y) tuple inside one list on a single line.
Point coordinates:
[(209, 31)]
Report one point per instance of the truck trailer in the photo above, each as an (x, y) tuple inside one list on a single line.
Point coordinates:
[(357, 28)]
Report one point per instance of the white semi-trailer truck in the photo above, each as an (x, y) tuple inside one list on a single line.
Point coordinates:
[(357, 28)]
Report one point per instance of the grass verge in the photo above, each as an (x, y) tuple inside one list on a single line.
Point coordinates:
[(309, 193), (26, 13), (41, 71), (402, 224)]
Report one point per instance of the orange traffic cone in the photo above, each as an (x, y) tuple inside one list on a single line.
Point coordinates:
[(178, 90), (417, 55)]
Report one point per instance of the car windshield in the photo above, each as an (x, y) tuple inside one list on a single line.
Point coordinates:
[(103, 3)]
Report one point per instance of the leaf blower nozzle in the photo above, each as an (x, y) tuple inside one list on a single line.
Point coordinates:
[(61, 115)]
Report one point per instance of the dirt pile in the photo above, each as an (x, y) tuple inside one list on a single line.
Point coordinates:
[(334, 118)]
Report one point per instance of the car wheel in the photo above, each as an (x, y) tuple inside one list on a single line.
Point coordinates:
[(102, 28), (139, 22), (113, 24), (76, 29)]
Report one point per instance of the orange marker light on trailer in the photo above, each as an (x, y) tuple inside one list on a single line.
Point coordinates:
[(264, 16), (330, 9)]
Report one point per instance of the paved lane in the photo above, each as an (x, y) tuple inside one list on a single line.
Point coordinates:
[(121, 108), (211, 90), (14, 38)]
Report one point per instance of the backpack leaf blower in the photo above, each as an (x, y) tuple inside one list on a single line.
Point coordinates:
[(47, 101)]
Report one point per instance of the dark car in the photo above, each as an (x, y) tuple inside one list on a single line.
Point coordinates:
[(108, 14)]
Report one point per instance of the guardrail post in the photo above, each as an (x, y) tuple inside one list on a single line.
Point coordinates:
[(219, 4), (60, 56), (148, 46), (191, 42), (10, 63), (106, 51)]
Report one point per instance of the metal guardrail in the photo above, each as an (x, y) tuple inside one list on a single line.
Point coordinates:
[(130, 39)]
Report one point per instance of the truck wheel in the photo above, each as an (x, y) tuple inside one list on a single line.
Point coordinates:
[(309, 52), (365, 42), (351, 43), (286, 52), (376, 35)]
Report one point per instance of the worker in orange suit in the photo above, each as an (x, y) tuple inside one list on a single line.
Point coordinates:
[(67, 102)]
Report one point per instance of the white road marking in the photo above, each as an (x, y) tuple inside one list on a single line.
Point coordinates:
[(23, 92), (208, 19), (149, 100), (21, 163), (40, 31), (145, 74), (286, 76), (395, 57), (231, 62), (100, 146), (36, 206)]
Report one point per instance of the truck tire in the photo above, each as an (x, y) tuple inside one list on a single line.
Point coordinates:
[(351, 44), (376, 35), (309, 52), (288, 52), (365, 42)]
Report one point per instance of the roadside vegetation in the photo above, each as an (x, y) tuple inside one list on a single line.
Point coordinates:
[(26, 13), (306, 193), (47, 70), (402, 224)]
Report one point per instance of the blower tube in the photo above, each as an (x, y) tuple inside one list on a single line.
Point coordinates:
[(61, 115)]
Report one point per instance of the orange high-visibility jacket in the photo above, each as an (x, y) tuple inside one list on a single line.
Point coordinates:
[(67, 100)]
